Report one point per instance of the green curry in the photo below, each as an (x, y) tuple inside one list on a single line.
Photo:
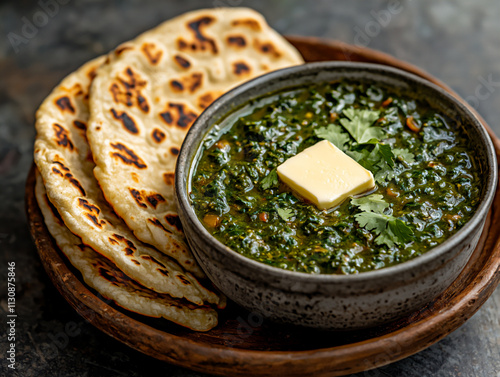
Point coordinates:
[(427, 179)]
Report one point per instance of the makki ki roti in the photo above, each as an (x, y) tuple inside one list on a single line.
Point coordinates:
[(149, 93), (63, 158), (228, 46), (102, 275)]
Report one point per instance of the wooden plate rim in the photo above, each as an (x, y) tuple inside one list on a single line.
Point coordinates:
[(225, 360)]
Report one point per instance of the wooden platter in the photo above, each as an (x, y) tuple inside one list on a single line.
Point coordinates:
[(243, 343)]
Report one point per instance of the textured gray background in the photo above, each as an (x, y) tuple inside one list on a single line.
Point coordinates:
[(457, 41)]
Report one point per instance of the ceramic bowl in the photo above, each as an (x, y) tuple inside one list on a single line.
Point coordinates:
[(338, 302)]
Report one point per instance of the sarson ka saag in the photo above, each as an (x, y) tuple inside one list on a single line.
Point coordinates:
[(426, 179)]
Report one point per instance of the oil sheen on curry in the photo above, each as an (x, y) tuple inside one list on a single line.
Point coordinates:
[(426, 179)]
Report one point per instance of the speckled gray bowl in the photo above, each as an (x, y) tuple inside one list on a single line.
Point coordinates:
[(333, 301)]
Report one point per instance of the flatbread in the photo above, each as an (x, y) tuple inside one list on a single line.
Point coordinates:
[(100, 274), (63, 158), (148, 94)]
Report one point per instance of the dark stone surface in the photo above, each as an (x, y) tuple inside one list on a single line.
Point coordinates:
[(456, 41)]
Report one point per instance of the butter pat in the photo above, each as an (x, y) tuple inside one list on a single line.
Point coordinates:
[(325, 175)]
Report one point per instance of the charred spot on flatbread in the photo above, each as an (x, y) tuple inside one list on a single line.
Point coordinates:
[(92, 72), (108, 275), (127, 122), (77, 89), (207, 98), (90, 207), (66, 174), (144, 199), (154, 199), (58, 172), (158, 224), (152, 259), (191, 83), (60, 164), (163, 272), (183, 280), (249, 23), (128, 248), (122, 48), (91, 212), (174, 221), (128, 156), (182, 62), (169, 178), (98, 223), (241, 68), (138, 197), (135, 177), (113, 241), (267, 48), (176, 85), (128, 90), (80, 125), (177, 114), (64, 104), (236, 41), (158, 135), (119, 96), (62, 136), (200, 41), (153, 53), (174, 151)]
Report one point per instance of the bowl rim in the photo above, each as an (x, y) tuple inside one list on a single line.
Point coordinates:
[(190, 147)]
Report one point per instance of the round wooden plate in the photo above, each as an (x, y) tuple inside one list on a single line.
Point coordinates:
[(243, 343)]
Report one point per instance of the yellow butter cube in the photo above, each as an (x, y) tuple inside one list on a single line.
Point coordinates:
[(325, 175)]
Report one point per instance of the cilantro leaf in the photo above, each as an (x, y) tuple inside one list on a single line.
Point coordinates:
[(385, 238), (372, 221), (402, 231), (359, 124), (384, 173), (270, 180), (333, 134), (379, 155), (386, 154), (359, 156), (285, 213), (389, 229), (374, 203), (379, 161), (396, 232), (405, 155)]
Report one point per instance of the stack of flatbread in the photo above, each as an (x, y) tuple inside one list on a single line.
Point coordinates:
[(107, 141)]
